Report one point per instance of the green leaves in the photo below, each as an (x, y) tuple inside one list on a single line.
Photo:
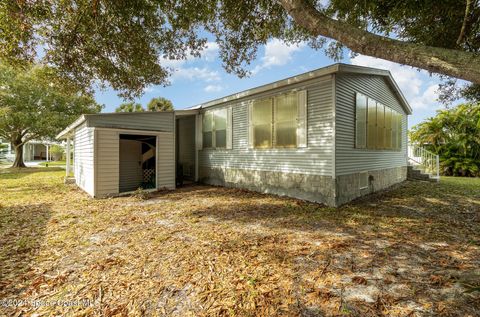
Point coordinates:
[(36, 104), (121, 43), (155, 104), (159, 104), (130, 107), (454, 135)]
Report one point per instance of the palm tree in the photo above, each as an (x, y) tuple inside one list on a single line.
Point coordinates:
[(159, 104), (454, 134), (130, 107)]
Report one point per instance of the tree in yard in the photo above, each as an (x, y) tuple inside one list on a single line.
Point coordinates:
[(159, 104), (124, 43), (57, 152), (130, 107), (453, 134), (34, 104)]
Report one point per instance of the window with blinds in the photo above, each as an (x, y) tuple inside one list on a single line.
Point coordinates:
[(377, 126)]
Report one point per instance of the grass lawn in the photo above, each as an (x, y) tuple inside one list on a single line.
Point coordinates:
[(54, 163), (206, 251)]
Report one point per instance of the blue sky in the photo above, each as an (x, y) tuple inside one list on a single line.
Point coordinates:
[(197, 80)]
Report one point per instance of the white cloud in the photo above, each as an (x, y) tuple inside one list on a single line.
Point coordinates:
[(181, 70), (210, 52), (277, 53), (417, 86), (196, 73), (427, 98), (207, 54), (150, 89), (213, 88)]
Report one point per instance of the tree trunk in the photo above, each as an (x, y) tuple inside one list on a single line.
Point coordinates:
[(450, 62), (18, 155)]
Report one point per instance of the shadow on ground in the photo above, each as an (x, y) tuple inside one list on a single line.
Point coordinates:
[(22, 229), (415, 246)]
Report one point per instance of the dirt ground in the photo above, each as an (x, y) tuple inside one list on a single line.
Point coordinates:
[(205, 251)]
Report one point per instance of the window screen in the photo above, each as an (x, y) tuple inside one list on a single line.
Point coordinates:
[(399, 131), (361, 122), (285, 115), (371, 123), (388, 128), (279, 121), (220, 128), (207, 129), (380, 126), (215, 128), (394, 130), (262, 123)]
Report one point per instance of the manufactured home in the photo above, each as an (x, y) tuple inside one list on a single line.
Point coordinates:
[(34, 150), (330, 135)]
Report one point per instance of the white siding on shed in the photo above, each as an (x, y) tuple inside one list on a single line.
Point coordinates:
[(107, 158), (151, 121), (315, 159), (166, 161), (348, 159), (84, 158)]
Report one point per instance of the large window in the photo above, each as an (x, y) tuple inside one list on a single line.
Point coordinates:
[(376, 126), (215, 129), (279, 121)]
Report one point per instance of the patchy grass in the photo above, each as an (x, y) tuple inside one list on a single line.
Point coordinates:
[(205, 251)]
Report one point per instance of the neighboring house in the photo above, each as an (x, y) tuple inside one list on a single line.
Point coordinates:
[(33, 150), (329, 136)]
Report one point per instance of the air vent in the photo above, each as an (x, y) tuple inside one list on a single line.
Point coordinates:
[(363, 180)]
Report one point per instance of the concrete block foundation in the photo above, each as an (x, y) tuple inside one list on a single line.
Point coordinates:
[(348, 186), (316, 188)]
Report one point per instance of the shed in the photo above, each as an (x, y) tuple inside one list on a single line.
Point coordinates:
[(118, 153)]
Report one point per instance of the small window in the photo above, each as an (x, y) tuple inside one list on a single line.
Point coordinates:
[(363, 180), (215, 128)]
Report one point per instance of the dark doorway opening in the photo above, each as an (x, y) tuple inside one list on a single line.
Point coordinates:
[(185, 150), (137, 162)]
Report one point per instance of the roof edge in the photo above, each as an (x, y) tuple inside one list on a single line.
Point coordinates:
[(356, 69), (276, 84), (324, 71), (64, 133)]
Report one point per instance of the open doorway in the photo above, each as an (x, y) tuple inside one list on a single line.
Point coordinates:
[(185, 150), (137, 162)]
